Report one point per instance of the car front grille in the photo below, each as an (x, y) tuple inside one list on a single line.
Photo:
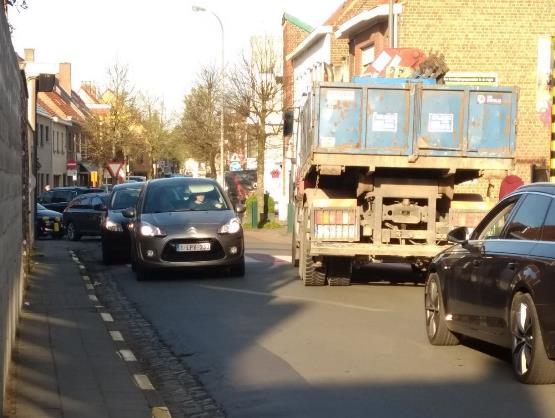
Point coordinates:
[(170, 254)]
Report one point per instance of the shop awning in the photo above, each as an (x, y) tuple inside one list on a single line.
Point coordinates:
[(86, 167)]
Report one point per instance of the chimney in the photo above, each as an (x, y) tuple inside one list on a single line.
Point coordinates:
[(64, 77), (29, 54)]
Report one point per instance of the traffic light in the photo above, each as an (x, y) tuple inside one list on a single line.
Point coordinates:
[(94, 178)]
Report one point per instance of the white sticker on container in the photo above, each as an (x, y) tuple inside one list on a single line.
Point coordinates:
[(384, 122), (327, 141), (440, 122), (340, 95)]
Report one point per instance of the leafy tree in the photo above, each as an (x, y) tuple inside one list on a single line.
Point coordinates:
[(256, 95), (16, 4)]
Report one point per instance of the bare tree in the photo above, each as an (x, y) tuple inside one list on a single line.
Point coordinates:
[(199, 126), (156, 141), (255, 93), (113, 134)]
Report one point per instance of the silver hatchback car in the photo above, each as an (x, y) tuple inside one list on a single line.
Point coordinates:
[(185, 222)]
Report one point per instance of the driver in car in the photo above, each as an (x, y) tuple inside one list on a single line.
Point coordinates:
[(201, 203)]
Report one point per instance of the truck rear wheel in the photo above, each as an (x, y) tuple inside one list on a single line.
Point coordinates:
[(313, 276), (295, 243), (339, 270), (310, 274)]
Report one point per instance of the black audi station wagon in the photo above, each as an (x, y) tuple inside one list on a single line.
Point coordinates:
[(498, 284)]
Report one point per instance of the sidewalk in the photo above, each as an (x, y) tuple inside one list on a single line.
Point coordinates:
[(277, 235), (66, 362)]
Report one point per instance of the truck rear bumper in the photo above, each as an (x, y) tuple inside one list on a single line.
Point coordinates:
[(374, 250), (319, 158)]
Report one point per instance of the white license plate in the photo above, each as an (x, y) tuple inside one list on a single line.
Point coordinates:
[(203, 246)]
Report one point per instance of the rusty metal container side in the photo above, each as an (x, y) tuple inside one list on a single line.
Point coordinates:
[(409, 121)]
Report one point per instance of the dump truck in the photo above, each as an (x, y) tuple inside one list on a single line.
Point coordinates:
[(376, 165)]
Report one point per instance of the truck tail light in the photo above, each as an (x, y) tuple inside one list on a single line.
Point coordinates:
[(335, 224)]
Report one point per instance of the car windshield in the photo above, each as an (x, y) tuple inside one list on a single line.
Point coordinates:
[(124, 198), (40, 207), (183, 195)]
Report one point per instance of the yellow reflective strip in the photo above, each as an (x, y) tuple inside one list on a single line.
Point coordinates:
[(552, 145), (552, 179), (552, 165)]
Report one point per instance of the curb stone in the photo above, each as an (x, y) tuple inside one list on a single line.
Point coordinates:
[(154, 400)]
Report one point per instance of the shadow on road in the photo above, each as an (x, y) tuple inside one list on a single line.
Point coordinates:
[(229, 332)]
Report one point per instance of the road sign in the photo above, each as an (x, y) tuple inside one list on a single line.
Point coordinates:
[(71, 172), (71, 165), (114, 167)]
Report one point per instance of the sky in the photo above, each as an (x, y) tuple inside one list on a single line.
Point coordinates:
[(163, 43)]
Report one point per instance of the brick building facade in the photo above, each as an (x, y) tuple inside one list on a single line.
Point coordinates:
[(294, 32), (485, 35), (498, 36)]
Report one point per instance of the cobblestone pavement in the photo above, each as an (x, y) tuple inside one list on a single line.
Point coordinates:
[(182, 392)]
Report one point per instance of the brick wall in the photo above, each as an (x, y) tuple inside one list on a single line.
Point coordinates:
[(292, 37), (10, 200), (341, 50), (376, 36), (489, 35)]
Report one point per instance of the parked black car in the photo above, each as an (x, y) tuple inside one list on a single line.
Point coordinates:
[(114, 232), (48, 223), (498, 285), (185, 222), (84, 215), (58, 198)]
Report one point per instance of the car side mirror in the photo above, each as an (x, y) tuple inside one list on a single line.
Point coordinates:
[(458, 235), (128, 213), (240, 208)]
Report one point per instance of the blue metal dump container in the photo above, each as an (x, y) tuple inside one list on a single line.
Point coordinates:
[(407, 119)]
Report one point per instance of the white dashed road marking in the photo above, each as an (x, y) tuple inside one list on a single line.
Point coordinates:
[(127, 355), (116, 335), (106, 317), (143, 381)]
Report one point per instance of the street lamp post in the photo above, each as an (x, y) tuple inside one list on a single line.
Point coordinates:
[(202, 9)]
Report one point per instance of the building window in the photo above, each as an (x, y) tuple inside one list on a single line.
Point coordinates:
[(63, 144), (46, 133), (368, 55), (41, 135)]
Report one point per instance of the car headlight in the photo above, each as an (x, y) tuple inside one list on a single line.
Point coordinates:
[(113, 226), (148, 230), (230, 227)]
